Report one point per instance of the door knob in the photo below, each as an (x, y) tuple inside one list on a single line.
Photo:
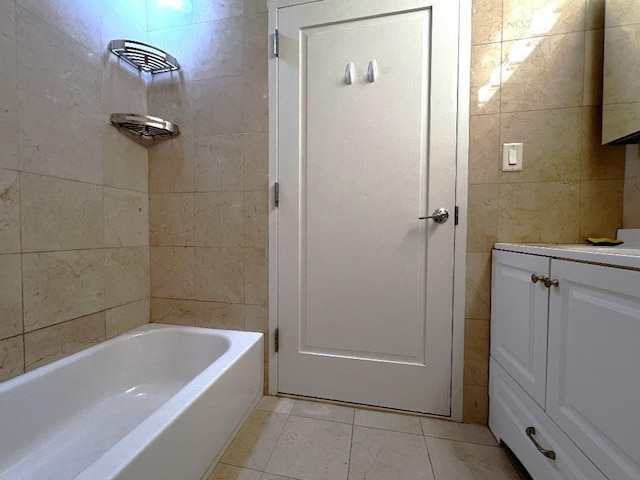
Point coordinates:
[(440, 215)]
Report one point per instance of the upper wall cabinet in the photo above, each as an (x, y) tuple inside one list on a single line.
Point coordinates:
[(621, 97)]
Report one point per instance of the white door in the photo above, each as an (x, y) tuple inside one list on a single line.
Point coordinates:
[(364, 286)]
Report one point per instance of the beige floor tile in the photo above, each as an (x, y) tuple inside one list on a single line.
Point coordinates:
[(256, 440), (271, 476), (312, 449), (453, 460), (388, 421), (464, 432), (385, 455), (323, 411), (229, 472), (275, 404)]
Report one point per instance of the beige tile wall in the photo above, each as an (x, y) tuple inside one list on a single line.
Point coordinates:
[(74, 227), (208, 188), (632, 188), (536, 79)]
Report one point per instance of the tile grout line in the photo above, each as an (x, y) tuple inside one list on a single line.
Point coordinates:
[(353, 426)]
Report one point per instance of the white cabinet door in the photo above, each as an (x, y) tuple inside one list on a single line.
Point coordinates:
[(519, 310), (594, 363)]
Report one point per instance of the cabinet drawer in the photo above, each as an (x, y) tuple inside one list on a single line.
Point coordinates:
[(519, 309), (511, 411)]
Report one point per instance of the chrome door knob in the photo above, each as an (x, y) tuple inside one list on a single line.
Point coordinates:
[(441, 215)]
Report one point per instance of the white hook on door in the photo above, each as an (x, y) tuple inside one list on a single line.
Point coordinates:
[(349, 73), (372, 71)]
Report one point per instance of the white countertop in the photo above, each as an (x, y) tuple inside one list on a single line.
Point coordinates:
[(620, 255)]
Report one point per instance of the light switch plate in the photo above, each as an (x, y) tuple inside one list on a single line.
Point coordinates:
[(513, 152)]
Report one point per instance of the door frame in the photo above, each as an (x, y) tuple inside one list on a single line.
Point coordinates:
[(460, 242)]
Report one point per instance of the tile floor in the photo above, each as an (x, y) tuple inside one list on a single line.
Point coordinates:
[(286, 439)]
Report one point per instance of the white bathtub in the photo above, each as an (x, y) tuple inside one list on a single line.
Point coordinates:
[(159, 402)]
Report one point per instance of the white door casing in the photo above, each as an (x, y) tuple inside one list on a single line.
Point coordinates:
[(363, 345)]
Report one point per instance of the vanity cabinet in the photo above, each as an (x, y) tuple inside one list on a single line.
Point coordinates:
[(565, 363)]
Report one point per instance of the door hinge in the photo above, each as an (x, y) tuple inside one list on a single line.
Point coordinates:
[(276, 43), (455, 216), (276, 339), (276, 194)]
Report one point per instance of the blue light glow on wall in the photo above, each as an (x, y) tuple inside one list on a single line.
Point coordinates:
[(169, 13)]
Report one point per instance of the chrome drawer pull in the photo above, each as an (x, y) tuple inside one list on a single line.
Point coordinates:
[(531, 431)]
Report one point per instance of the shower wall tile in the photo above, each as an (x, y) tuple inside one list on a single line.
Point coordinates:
[(598, 162), (123, 20), (228, 316), (486, 22), (9, 211), (60, 286), (176, 102), (78, 20), (173, 272), (221, 39), (256, 211), (174, 312), (172, 219), (255, 148), (126, 317), (52, 343), (220, 274), (57, 141), (10, 296), (600, 213), (551, 141), (126, 218), (255, 6), (53, 66), (552, 210), (219, 219), (173, 166), (256, 319), (11, 357), (124, 163), (207, 10), (8, 72), (59, 214), (534, 18), (256, 104), (256, 276), (546, 72), (124, 88), (126, 275), (8, 137), (219, 163), (221, 106), (625, 87)]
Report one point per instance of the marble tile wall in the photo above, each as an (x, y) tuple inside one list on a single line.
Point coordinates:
[(74, 223), (208, 187), (632, 188), (536, 79)]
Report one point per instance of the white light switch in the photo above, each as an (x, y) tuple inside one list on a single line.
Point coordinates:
[(511, 157)]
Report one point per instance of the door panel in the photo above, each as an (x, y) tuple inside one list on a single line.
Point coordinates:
[(365, 288)]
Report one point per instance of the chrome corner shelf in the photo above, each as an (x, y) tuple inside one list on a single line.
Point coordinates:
[(144, 57), (144, 127)]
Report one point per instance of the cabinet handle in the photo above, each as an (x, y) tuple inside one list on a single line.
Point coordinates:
[(537, 278), (531, 431), (551, 283)]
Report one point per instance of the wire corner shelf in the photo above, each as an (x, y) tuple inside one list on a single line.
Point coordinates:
[(144, 57)]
